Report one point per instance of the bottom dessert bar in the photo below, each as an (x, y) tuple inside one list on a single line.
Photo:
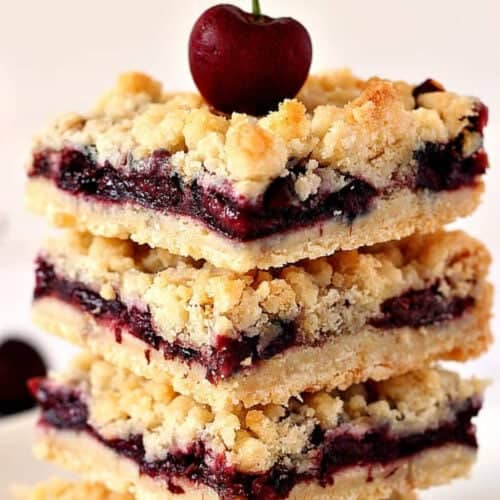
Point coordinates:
[(64, 490), (373, 439)]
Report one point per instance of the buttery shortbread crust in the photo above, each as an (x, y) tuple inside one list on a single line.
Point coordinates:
[(57, 489), (396, 217)]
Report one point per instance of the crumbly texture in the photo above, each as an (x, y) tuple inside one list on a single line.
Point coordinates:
[(57, 489), (83, 454), (343, 124), (338, 363), (398, 215), (121, 405), (196, 302)]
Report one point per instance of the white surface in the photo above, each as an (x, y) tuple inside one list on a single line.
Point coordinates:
[(58, 56), (20, 468)]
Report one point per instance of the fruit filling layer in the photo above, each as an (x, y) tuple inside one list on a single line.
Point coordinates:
[(329, 443), (415, 308), (155, 186)]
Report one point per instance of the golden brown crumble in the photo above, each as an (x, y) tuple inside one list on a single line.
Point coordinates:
[(197, 302), (123, 404), (347, 125)]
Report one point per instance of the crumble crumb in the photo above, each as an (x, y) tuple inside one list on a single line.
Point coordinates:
[(365, 128)]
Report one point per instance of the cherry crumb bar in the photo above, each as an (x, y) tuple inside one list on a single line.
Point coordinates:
[(347, 163), (264, 336), (140, 436)]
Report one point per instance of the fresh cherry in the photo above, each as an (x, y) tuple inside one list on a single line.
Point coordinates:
[(248, 62), (19, 362)]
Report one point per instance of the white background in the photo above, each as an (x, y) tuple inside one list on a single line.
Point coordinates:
[(58, 56)]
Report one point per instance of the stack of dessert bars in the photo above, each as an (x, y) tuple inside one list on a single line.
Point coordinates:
[(262, 301)]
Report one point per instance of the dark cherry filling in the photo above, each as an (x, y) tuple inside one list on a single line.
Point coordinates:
[(220, 360), (154, 185), (331, 451), (414, 308), (420, 308), (62, 408), (441, 167)]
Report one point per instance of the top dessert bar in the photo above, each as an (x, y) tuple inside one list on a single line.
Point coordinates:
[(347, 163)]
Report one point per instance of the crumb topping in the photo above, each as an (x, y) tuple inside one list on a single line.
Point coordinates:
[(122, 404), (366, 128), (197, 302)]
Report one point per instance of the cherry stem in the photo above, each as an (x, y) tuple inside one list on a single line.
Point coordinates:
[(256, 8)]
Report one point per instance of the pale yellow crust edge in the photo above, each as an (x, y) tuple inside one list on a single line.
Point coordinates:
[(393, 218), (370, 353), (57, 489), (80, 453)]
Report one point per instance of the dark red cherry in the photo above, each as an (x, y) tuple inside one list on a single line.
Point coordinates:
[(19, 362), (248, 62)]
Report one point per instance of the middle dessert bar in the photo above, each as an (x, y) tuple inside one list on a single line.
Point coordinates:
[(266, 336)]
